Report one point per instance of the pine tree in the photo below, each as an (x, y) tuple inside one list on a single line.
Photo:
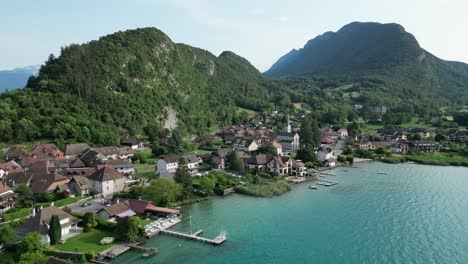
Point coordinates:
[(55, 230), (183, 177)]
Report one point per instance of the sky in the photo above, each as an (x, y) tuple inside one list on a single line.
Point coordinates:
[(259, 30)]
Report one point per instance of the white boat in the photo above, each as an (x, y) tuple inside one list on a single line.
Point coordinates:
[(313, 187), (381, 172), (364, 170)]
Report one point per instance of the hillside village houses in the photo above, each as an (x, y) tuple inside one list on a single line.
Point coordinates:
[(170, 163)]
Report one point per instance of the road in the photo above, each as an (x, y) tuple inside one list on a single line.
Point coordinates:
[(95, 206)]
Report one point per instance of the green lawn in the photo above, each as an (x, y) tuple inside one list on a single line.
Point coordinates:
[(414, 123), (86, 242), (250, 112), (145, 172)]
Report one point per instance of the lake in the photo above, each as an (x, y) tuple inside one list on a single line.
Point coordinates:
[(413, 214)]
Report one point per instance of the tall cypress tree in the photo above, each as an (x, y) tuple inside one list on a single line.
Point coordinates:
[(55, 230), (183, 177)]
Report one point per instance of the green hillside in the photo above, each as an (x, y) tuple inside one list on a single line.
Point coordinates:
[(383, 61), (126, 83)]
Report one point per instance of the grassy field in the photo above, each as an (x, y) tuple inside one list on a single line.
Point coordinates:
[(145, 171), (438, 158), (86, 242), (250, 112), (265, 189), (414, 123)]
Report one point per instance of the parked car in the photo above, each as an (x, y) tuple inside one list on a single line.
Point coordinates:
[(86, 204)]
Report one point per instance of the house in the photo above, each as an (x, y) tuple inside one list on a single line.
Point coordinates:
[(133, 143), (380, 109), (342, 132), (122, 166), (80, 186), (122, 208), (168, 164), (14, 153), (42, 177), (298, 169), (74, 150), (366, 145), (192, 162), (218, 162), (327, 140), (258, 161), (278, 147), (42, 152), (10, 167), (281, 165), (112, 153), (324, 154), (331, 162), (107, 180), (7, 198), (399, 148), (39, 222), (424, 145), (245, 144), (91, 158)]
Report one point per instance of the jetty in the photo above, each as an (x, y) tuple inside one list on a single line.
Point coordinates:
[(147, 251), (326, 183), (195, 236), (119, 249)]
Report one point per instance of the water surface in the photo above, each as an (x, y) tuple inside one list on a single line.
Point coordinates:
[(414, 214)]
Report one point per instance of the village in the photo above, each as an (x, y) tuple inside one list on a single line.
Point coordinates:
[(81, 181)]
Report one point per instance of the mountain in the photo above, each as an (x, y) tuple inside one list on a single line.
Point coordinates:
[(383, 53), (16, 78), (136, 82)]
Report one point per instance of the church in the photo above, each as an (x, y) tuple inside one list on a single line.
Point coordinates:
[(289, 140)]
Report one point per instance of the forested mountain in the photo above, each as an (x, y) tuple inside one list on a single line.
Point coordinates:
[(127, 83), (378, 60), (16, 78)]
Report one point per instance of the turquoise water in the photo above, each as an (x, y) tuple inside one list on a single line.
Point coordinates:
[(415, 214)]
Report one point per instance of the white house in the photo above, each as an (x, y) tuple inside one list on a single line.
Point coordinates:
[(133, 143), (39, 222), (168, 164), (107, 181), (122, 166), (324, 154), (343, 132), (193, 162)]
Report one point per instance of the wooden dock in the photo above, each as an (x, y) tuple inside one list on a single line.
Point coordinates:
[(113, 252), (147, 251), (216, 241), (326, 183)]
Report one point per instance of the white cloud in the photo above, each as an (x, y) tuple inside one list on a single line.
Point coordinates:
[(281, 19)]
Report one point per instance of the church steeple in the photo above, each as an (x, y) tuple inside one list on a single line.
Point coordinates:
[(288, 125)]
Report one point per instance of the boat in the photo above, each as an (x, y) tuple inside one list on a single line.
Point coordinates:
[(364, 170), (313, 187), (381, 172)]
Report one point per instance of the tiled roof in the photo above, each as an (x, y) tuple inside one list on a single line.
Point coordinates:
[(38, 222), (105, 174)]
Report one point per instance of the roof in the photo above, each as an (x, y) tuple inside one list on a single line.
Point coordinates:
[(75, 149), (120, 164), (141, 206), (223, 152), (82, 182), (171, 158), (287, 134), (192, 159), (130, 141), (41, 177), (276, 144), (39, 221), (90, 157), (4, 188), (105, 174), (14, 153), (11, 167), (260, 159)]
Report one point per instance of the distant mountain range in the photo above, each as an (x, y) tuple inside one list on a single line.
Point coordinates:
[(383, 52), (17, 78)]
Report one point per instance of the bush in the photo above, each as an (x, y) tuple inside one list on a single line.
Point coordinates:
[(265, 189), (15, 214)]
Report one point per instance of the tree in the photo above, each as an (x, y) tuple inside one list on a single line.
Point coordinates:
[(439, 137), (55, 230), (7, 235), (182, 176), (31, 242), (309, 133), (158, 150), (341, 159), (306, 155), (162, 192), (235, 163), (24, 191), (129, 230), (347, 150), (176, 142), (33, 257), (207, 185), (350, 159), (267, 149), (89, 222)]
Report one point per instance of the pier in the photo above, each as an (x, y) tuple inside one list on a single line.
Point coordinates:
[(216, 241), (147, 251), (326, 183), (119, 249)]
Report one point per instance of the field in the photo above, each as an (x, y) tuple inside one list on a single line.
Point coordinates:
[(414, 123), (250, 112), (438, 158)]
